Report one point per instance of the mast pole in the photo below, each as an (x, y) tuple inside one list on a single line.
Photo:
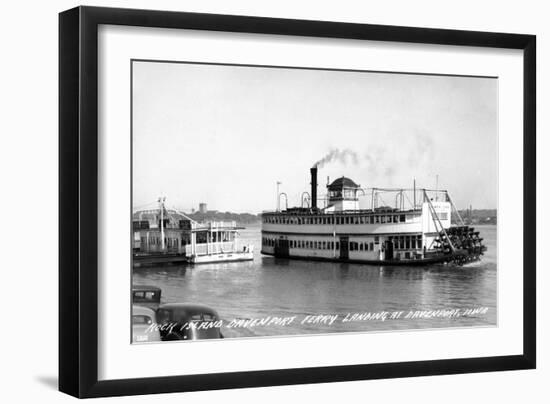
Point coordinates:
[(278, 202), (414, 193), (161, 204), (436, 187)]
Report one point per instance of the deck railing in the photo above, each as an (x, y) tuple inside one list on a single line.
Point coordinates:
[(211, 248), (214, 225)]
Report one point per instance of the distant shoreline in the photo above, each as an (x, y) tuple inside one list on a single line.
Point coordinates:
[(470, 217), (217, 216), (479, 216)]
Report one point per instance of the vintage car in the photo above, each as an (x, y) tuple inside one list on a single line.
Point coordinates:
[(186, 321), (144, 327), (147, 296)]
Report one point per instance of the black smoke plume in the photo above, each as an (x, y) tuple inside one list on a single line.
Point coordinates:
[(343, 156)]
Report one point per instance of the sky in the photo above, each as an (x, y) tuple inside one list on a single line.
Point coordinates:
[(225, 135)]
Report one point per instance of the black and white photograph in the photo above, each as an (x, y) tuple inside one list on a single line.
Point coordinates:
[(275, 201)]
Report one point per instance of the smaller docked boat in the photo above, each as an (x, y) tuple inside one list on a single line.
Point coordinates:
[(169, 236), (216, 242)]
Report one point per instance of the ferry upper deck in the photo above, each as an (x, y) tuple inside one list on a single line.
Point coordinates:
[(342, 213)]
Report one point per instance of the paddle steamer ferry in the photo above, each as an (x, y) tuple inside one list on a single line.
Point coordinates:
[(416, 228)]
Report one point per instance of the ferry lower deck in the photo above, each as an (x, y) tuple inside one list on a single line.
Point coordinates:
[(345, 247)]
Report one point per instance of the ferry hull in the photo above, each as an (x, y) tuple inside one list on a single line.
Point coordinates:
[(223, 257), (459, 259), (158, 259)]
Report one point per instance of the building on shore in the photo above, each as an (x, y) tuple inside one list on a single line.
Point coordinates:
[(203, 209)]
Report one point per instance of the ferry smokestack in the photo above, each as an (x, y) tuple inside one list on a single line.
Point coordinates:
[(313, 187)]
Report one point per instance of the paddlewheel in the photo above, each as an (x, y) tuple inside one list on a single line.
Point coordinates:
[(462, 244)]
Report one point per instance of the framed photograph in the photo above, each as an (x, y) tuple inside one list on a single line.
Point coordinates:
[(250, 201)]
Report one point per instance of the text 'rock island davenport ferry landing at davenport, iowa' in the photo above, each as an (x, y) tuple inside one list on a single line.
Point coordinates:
[(402, 226)]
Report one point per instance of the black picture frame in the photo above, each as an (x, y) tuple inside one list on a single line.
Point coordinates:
[(78, 200)]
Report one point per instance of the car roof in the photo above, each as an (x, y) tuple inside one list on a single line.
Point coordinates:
[(142, 310), (188, 307), (146, 287)]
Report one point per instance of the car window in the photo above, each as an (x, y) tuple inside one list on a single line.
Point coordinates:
[(203, 317), (150, 295), (141, 319), (163, 316)]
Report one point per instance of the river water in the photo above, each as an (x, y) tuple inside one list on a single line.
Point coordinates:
[(289, 295)]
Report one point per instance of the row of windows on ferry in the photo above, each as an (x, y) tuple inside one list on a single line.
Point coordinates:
[(168, 241), (201, 238), (371, 219), (412, 242)]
